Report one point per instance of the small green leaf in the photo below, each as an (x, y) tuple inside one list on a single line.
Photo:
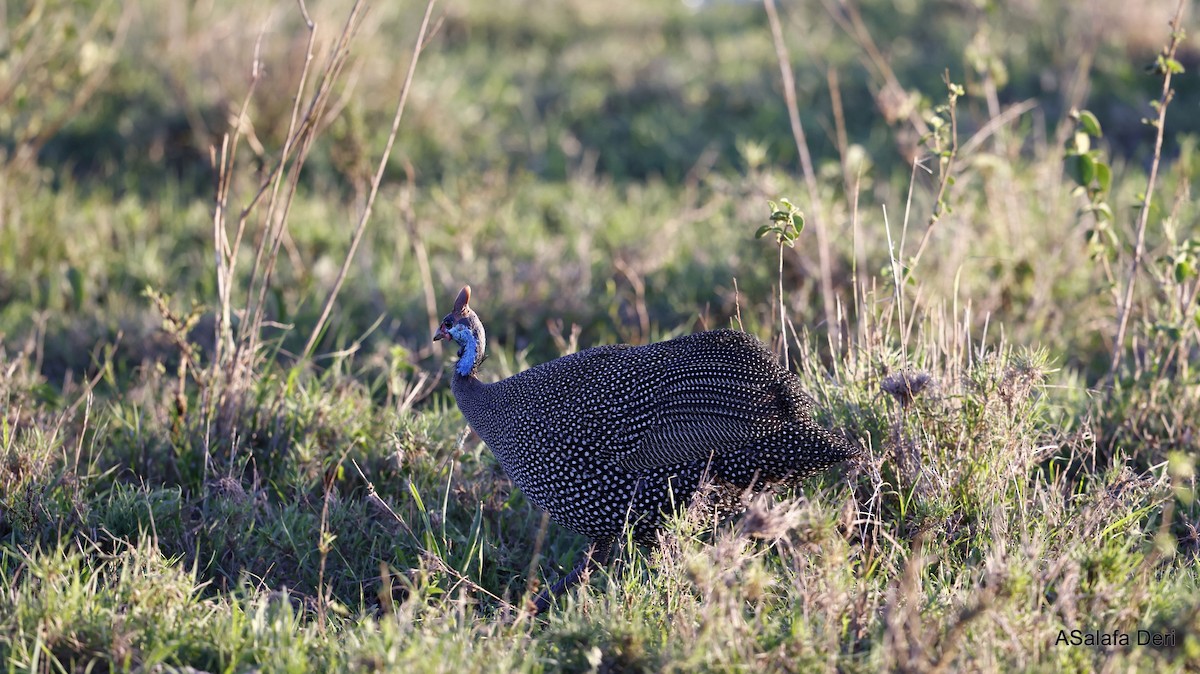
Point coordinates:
[(1103, 176), (1090, 124), (1184, 270), (1164, 66), (763, 231), (1073, 172), (1087, 169), (1103, 211), (798, 222), (1083, 142), (1112, 239)]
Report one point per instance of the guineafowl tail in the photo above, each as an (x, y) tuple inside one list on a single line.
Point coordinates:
[(798, 451)]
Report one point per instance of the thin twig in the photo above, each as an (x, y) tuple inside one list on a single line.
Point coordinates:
[(226, 255), (409, 216), (995, 124), (310, 126), (899, 298), (1144, 216), (876, 63), (839, 122), (365, 216), (787, 363), (737, 305), (810, 177), (247, 342), (946, 170)]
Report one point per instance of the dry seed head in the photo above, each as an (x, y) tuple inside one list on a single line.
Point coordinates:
[(906, 385), (228, 488), (771, 522), (1018, 383)]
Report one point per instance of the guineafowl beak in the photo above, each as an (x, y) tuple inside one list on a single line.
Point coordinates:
[(441, 334)]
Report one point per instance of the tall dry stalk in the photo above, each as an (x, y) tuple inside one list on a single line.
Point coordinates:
[(1139, 249), (365, 216), (806, 166), (238, 348)]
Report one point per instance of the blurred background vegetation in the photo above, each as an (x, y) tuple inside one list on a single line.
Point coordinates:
[(605, 164)]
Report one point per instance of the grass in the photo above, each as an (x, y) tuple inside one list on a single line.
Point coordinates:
[(197, 479)]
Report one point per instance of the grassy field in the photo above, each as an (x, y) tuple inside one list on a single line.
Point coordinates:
[(226, 442)]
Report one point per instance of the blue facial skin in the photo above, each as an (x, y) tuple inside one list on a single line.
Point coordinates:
[(470, 349)]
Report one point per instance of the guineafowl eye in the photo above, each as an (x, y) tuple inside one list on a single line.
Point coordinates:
[(621, 436)]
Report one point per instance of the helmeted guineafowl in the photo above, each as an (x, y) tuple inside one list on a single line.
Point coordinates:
[(619, 435)]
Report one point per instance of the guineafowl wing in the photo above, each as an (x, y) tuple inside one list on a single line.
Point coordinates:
[(703, 416), (714, 393)]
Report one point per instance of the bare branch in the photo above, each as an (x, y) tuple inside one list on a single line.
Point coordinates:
[(806, 165), (1144, 216), (365, 216)]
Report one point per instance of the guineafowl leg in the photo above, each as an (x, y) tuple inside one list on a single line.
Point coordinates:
[(597, 555)]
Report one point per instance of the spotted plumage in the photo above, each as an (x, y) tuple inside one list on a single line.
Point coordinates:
[(622, 435)]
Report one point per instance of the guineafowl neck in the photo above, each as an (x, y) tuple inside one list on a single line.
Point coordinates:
[(465, 384), (479, 405), (468, 392), (486, 409)]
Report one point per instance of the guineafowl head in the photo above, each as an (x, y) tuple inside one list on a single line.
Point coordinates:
[(462, 325)]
